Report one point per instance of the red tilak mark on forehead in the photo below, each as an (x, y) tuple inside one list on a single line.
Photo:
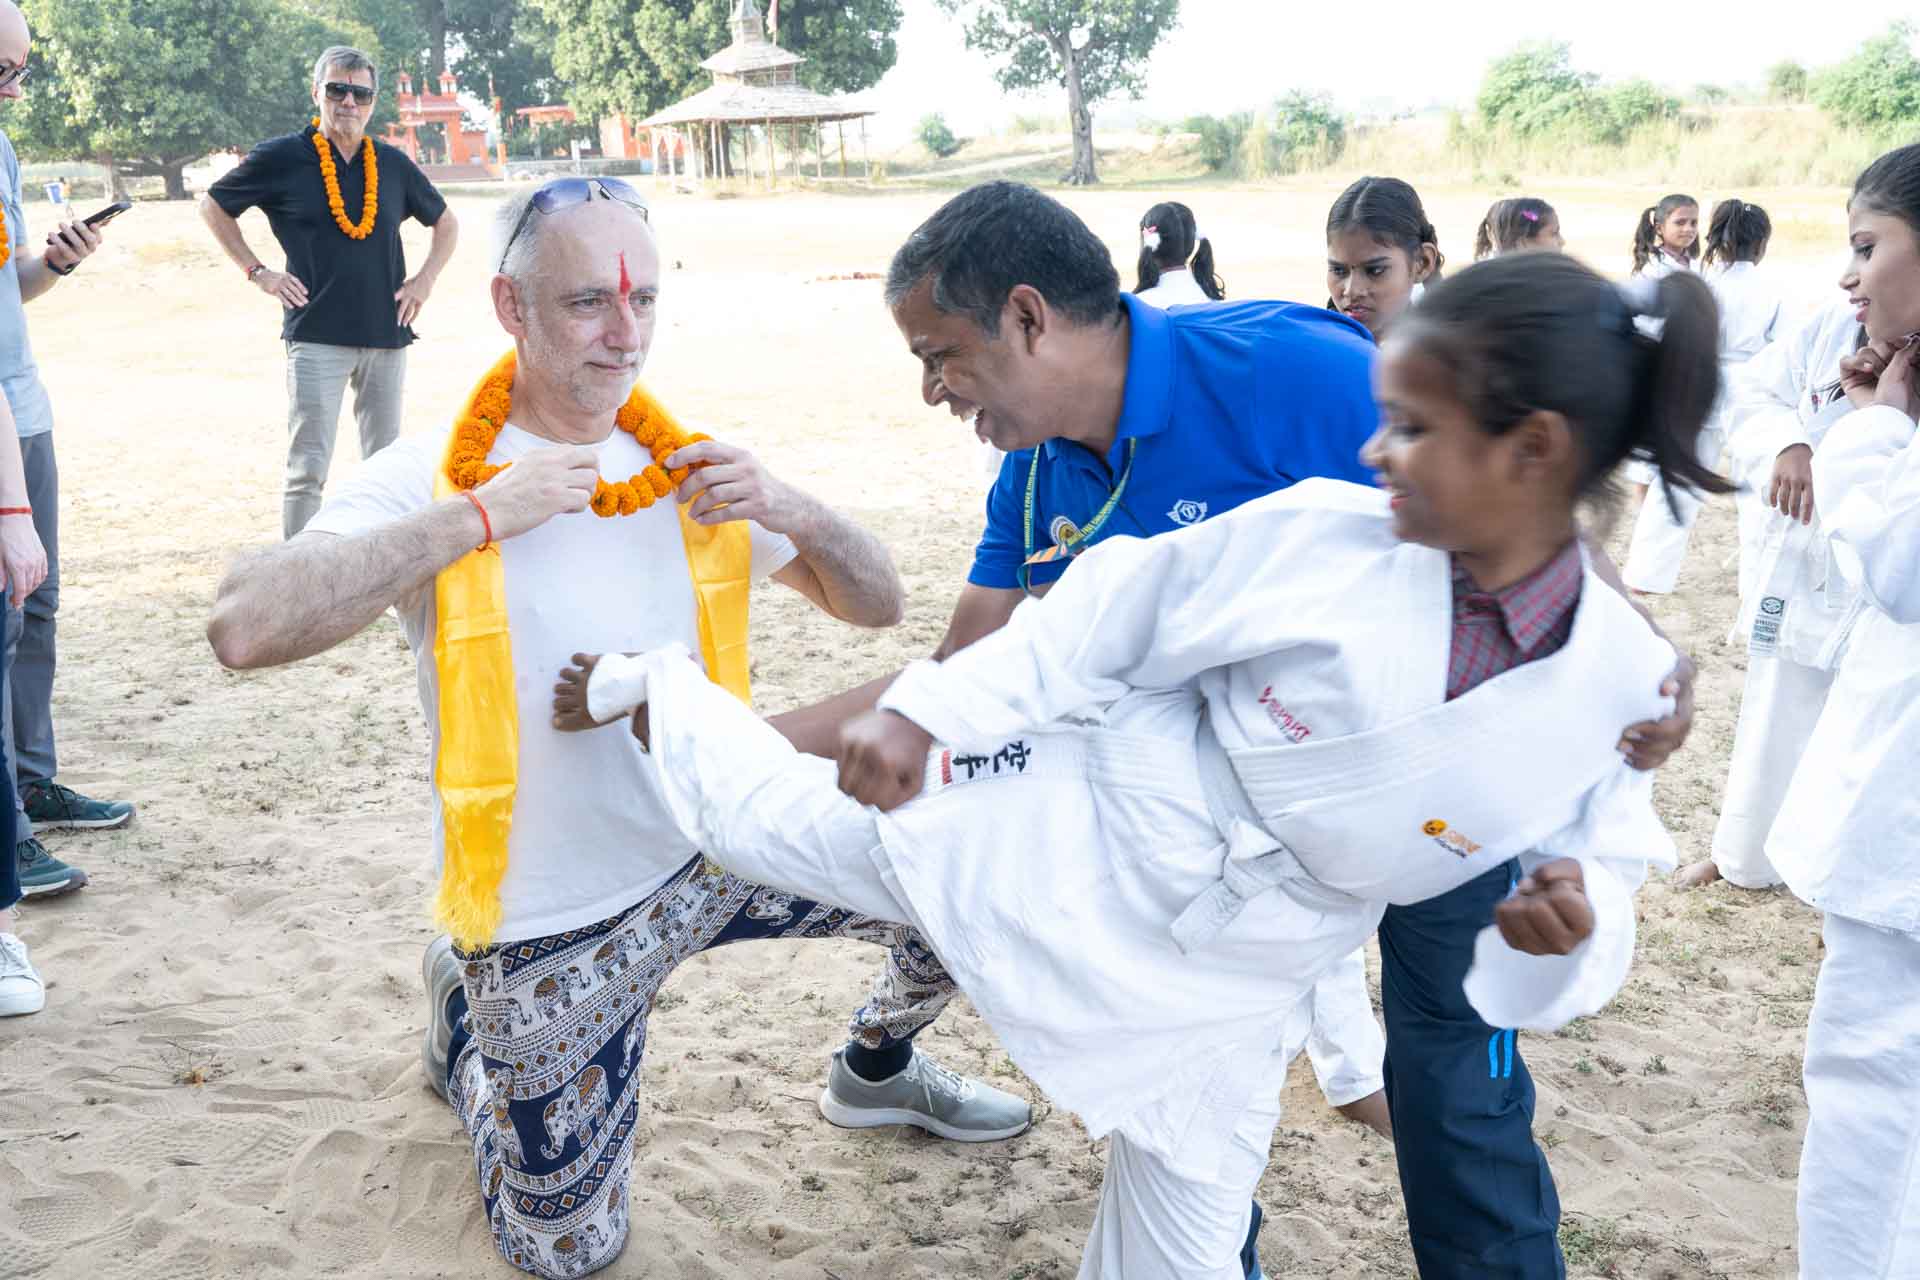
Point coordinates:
[(626, 285)]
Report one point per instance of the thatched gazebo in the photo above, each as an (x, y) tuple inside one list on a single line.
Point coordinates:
[(754, 84)]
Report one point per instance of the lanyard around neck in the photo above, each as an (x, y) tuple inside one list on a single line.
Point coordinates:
[(1076, 540)]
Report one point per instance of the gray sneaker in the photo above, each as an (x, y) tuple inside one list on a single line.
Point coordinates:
[(928, 1095), (440, 970)]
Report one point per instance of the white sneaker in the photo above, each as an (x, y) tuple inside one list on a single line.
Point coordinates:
[(21, 990)]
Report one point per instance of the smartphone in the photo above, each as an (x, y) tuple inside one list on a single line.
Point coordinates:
[(102, 217)]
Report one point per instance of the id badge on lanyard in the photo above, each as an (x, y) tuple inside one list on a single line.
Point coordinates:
[(1070, 541)]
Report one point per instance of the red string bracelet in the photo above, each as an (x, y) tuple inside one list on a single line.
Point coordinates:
[(16, 511), (465, 493)]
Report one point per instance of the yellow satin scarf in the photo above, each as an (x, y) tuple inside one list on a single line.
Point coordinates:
[(479, 720)]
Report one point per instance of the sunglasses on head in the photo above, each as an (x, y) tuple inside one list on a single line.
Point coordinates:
[(566, 193), (14, 75), (337, 92)]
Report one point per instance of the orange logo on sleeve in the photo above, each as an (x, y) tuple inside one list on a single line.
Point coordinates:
[(1452, 841)]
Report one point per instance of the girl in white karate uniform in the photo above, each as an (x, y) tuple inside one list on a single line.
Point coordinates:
[(1846, 837), (1381, 252), (1176, 261), (1666, 239), (1794, 610), (1749, 319), (1232, 744)]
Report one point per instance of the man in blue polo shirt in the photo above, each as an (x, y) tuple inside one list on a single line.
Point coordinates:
[(1118, 418)]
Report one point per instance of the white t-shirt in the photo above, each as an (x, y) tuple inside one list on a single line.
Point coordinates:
[(1177, 288), (591, 835)]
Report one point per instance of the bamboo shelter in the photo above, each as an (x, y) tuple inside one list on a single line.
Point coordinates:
[(754, 88)]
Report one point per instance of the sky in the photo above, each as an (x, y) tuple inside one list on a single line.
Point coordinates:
[(1232, 54)]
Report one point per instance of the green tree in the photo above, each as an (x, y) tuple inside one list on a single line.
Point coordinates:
[(936, 137), (1787, 82), (1094, 48), (1879, 85), (504, 48), (638, 56), (147, 87), (1616, 110), (1534, 88), (1220, 137), (1306, 125)]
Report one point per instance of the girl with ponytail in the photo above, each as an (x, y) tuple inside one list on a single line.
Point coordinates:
[(1665, 239), (1524, 222), (1667, 236), (1176, 261), (1750, 310)]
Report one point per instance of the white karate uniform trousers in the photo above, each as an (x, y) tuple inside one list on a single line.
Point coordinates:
[(1344, 1041), (1859, 1201), (1779, 705), (1153, 1223), (1659, 540)]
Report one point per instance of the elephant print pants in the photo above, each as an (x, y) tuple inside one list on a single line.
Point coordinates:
[(548, 1084)]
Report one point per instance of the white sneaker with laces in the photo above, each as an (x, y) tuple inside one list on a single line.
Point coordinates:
[(21, 990)]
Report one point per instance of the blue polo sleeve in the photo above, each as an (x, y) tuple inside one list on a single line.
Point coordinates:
[(1002, 549), (1317, 408)]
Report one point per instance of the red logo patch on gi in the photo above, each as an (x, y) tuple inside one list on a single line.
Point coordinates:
[(1291, 727)]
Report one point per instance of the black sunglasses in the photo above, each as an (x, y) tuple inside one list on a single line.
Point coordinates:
[(14, 75), (565, 193), (337, 92)]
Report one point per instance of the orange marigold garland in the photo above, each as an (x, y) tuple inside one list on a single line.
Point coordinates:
[(370, 207), (478, 426)]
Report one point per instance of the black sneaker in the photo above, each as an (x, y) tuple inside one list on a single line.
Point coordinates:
[(62, 808), (41, 874)]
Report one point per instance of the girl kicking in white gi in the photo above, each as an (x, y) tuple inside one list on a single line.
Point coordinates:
[(1175, 791), (1845, 840)]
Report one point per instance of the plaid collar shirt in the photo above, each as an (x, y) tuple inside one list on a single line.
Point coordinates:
[(1496, 631)]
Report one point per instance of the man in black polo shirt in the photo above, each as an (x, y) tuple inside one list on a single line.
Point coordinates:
[(349, 302)]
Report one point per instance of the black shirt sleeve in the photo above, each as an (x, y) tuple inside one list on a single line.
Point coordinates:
[(425, 204), (256, 181)]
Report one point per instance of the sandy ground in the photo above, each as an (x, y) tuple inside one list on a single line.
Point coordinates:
[(226, 1081)]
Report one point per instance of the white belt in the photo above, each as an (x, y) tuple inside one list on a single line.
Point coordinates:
[(1255, 861)]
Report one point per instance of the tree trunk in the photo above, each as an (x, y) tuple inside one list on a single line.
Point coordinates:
[(436, 15), (105, 161), (174, 174), (1079, 119)]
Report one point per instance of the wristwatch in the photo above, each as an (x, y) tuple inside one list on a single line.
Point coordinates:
[(255, 270)]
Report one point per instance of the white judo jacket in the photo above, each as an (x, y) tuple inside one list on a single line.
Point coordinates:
[(1792, 603), (1314, 645), (1845, 840)]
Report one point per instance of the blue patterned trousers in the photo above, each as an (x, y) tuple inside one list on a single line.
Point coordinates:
[(548, 1084)]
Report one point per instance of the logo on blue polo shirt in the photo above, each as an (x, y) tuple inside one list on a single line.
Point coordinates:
[(1187, 511)]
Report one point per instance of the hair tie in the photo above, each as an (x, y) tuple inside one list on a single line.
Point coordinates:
[(1150, 237), (1530, 215)]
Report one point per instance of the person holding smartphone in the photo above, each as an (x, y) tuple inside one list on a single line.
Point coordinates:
[(335, 199), (29, 271)]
